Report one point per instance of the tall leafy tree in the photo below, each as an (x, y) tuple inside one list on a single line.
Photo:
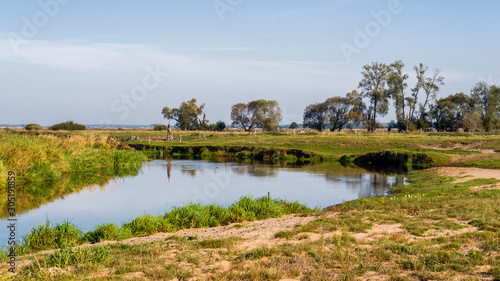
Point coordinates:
[(397, 86), (412, 101), (431, 87), (358, 114), (241, 116), (294, 125), (314, 116), (487, 98), (337, 112), (454, 112), (373, 87), (186, 115), (265, 114)]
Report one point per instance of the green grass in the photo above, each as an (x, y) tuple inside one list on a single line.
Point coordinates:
[(107, 232), (332, 146), (414, 151), (484, 163), (48, 167), (49, 236), (87, 258), (42, 158)]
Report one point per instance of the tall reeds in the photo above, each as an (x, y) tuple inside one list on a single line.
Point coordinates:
[(49, 236), (46, 157)]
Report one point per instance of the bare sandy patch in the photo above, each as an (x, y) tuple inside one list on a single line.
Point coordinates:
[(255, 234), (467, 174), (453, 146), (378, 230)]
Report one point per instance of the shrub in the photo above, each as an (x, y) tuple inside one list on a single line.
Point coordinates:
[(68, 125), (220, 126), (33, 127), (47, 236), (160, 127), (107, 232)]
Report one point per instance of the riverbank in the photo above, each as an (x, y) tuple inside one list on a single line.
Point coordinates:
[(437, 228), (48, 167), (437, 149)]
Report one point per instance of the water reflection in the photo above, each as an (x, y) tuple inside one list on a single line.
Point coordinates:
[(163, 185), (34, 195)]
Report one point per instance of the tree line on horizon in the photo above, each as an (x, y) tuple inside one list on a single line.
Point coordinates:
[(416, 107)]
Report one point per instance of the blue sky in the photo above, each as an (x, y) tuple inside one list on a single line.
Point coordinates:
[(122, 61)]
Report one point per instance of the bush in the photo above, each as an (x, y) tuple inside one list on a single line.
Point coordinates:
[(68, 125), (220, 126), (33, 127), (47, 236), (160, 127), (107, 232)]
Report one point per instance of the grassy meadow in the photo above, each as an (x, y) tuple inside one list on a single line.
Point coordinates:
[(455, 149), (430, 229)]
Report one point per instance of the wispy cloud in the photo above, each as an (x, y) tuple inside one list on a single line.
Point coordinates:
[(232, 49)]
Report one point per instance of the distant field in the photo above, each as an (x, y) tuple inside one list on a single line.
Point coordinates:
[(460, 148)]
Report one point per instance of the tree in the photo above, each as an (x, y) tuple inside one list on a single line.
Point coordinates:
[(267, 113), (314, 116), (454, 112), (294, 125), (264, 114), (487, 100), (431, 87), (412, 101), (472, 121), (220, 126), (397, 86), (373, 87), (186, 115), (358, 112), (337, 112), (240, 116)]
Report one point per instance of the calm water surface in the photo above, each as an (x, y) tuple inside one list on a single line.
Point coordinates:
[(165, 184)]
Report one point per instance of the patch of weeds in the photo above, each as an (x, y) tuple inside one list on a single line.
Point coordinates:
[(80, 257), (259, 253), (108, 232), (218, 243), (303, 237), (446, 224), (287, 234), (49, 236), (66, 257), (495, 273), (416, 228), (172, 271), (482, 225), (146, 225)]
